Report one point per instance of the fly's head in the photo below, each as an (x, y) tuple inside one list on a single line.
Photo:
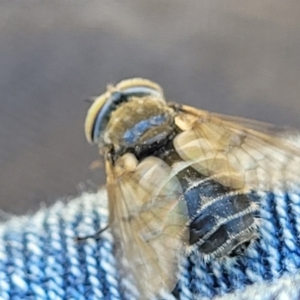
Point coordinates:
[(130, 117)]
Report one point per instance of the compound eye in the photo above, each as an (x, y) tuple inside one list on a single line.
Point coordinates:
[(91, 117)]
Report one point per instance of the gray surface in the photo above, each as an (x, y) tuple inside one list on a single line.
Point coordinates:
[(240, 58)]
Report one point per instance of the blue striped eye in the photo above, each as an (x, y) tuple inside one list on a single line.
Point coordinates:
[(103, 115)]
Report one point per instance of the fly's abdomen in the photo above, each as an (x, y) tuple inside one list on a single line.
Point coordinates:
[(223, 221)]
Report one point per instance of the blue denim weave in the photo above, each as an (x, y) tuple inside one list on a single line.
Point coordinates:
[(40, 259)]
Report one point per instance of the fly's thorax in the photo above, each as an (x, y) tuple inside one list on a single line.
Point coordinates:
[(140, 125)]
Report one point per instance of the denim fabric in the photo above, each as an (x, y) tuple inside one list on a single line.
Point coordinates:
[(40, 259)]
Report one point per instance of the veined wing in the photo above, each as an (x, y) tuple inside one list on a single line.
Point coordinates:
[(286, 133), (236, 155), (148, 216)]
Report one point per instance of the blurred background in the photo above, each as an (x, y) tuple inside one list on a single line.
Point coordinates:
[(235, 57)]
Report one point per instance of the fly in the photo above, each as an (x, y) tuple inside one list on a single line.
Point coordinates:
[(179, 177)]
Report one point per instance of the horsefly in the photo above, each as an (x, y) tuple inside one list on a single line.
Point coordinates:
[(181, 177)]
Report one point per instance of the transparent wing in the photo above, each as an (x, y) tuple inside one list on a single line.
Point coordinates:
[(286, 133), (246, 157), (148, 216)]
